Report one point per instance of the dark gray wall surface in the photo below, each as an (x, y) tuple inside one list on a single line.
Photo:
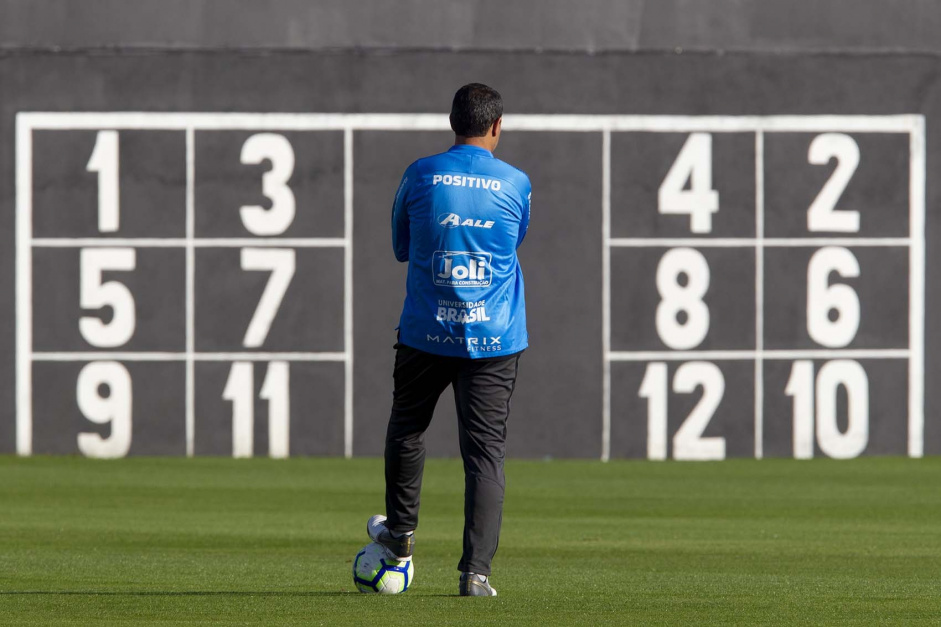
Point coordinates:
[(558, 402), (540, 25)]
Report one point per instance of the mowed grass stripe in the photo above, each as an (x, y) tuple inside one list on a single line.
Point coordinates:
[(235, 542)]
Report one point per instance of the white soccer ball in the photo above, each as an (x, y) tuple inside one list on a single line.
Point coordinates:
[(375, 571)]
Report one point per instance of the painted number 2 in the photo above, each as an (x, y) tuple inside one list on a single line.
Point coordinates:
[(823, 215)]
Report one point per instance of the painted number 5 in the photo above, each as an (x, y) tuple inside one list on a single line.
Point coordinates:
[(95, 293)]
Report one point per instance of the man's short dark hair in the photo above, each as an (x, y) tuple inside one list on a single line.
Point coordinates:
[(474, 110)]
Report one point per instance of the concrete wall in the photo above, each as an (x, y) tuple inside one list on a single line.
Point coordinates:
[(795, 26), (603, 377), (560, 403)]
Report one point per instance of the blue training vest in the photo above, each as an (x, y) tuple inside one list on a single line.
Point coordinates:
[(458, 219)]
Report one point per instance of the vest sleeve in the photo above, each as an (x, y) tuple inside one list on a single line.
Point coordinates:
[(526, 192), (400, 225)]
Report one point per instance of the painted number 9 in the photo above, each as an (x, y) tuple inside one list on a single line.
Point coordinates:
[(103, 392)]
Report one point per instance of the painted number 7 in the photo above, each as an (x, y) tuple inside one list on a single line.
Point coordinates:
[(280, 263)]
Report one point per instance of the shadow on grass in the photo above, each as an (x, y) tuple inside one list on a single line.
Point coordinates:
[(196, 593), (178, 593)]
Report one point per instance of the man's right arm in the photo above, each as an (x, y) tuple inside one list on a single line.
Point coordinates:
[(400, 227), (526, 195)]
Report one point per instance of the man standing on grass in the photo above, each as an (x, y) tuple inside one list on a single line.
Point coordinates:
[(458, 219)]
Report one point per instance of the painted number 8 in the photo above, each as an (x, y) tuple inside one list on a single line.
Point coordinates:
[(682, 281)]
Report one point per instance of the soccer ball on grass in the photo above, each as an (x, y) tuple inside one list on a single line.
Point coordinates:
[(375, 571)]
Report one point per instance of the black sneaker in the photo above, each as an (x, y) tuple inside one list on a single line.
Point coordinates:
[(399, 548), (474, 585)]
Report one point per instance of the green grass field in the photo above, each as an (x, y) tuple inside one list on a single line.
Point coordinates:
[(181, 542)]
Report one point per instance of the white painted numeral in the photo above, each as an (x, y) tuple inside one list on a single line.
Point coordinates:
[(824, 298), (275, 390), (700, 201), (240, 389), (841, 372), (823, 215), (274, 184), (94, 294), (677, 298), (801, 388), (113, 408), (688, 443), (104, 161), (654, 389), (281, 263)]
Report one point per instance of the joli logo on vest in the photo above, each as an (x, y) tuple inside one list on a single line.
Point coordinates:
[(461, 269)]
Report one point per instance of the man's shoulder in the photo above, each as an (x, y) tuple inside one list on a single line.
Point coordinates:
[(512, 168), (517, 177), (429, 161)]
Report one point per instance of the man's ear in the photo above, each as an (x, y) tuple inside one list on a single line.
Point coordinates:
[(495, 129)]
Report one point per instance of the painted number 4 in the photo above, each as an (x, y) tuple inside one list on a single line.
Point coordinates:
[(687, 188)]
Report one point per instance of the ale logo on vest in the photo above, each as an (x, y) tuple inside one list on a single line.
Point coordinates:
[(452, 221), (461, 269)]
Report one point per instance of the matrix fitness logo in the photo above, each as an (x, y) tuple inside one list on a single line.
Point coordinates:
[(461, 269)]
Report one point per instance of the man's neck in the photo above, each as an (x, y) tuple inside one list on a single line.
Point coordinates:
[(484, 142)]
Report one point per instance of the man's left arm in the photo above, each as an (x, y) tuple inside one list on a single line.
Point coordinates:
[(400, 226)]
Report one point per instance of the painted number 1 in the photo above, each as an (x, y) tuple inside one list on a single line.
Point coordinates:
[(104, 161)]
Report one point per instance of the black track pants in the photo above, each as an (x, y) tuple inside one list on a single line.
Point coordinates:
[(482, 391)]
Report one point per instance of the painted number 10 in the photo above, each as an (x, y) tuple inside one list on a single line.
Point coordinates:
[(815, 408)]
